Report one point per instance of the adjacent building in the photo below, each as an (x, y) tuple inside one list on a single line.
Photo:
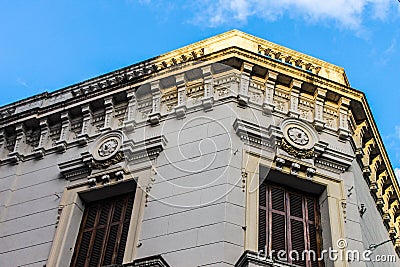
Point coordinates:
[(232, 151)]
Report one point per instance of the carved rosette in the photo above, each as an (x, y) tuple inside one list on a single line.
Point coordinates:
[(106, 150), (299, 138)]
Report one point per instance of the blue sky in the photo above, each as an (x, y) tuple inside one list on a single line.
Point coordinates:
[(46, 45)]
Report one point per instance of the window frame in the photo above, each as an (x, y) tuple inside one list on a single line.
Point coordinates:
[(71, 210), (124, 217), (257, 166), (288, 216)]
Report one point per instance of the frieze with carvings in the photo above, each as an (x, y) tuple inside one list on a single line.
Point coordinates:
[(145, 114), (195, 89), (32, 138), (226, 85), (330, 116), (145, 105), (281, 106), (306, 109), (255, 97), (256, 92), (222, 91), (120, 112), (55, 133), (76, 126), (169, 99), (281, 92)]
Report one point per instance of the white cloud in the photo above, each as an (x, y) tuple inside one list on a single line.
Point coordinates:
[(397, 172), (397, 129), (347, 13), (386, 58), (22, 82)]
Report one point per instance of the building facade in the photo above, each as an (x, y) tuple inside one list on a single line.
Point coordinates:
[(232, 151)]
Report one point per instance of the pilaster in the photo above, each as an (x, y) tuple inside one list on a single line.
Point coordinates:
[(61, 144), (44, 138), (180, 109), (109, 114), (295, 87), (208, 98), (87, 117), (155, 115), (268, 105), (130, 122), (2, 143), (20, 143), (343, 129), (319, 99), (243, 96)]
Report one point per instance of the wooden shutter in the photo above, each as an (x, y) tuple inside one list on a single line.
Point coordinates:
[(277, 222), (297, 238), (313, 228), (288, 221), (103, 232), (262, 220)]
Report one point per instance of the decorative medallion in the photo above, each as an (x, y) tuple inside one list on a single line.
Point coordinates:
[(106, 150), (108, 147), (299, 138)]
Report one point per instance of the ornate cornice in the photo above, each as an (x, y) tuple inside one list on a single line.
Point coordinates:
[(293, 59), (259, 136), (74, 168), (204, 50), (45, 103), (301, 74), (97, 86), (381, 177), (148, 149)]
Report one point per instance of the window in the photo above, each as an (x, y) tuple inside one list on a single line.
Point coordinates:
[(289, 221), (103, 232)]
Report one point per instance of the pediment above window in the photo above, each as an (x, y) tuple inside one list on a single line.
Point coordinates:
[(109, 151)]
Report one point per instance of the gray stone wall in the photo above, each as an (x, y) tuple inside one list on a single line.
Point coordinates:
[(29, 197), (196, 212), (372, 230)]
